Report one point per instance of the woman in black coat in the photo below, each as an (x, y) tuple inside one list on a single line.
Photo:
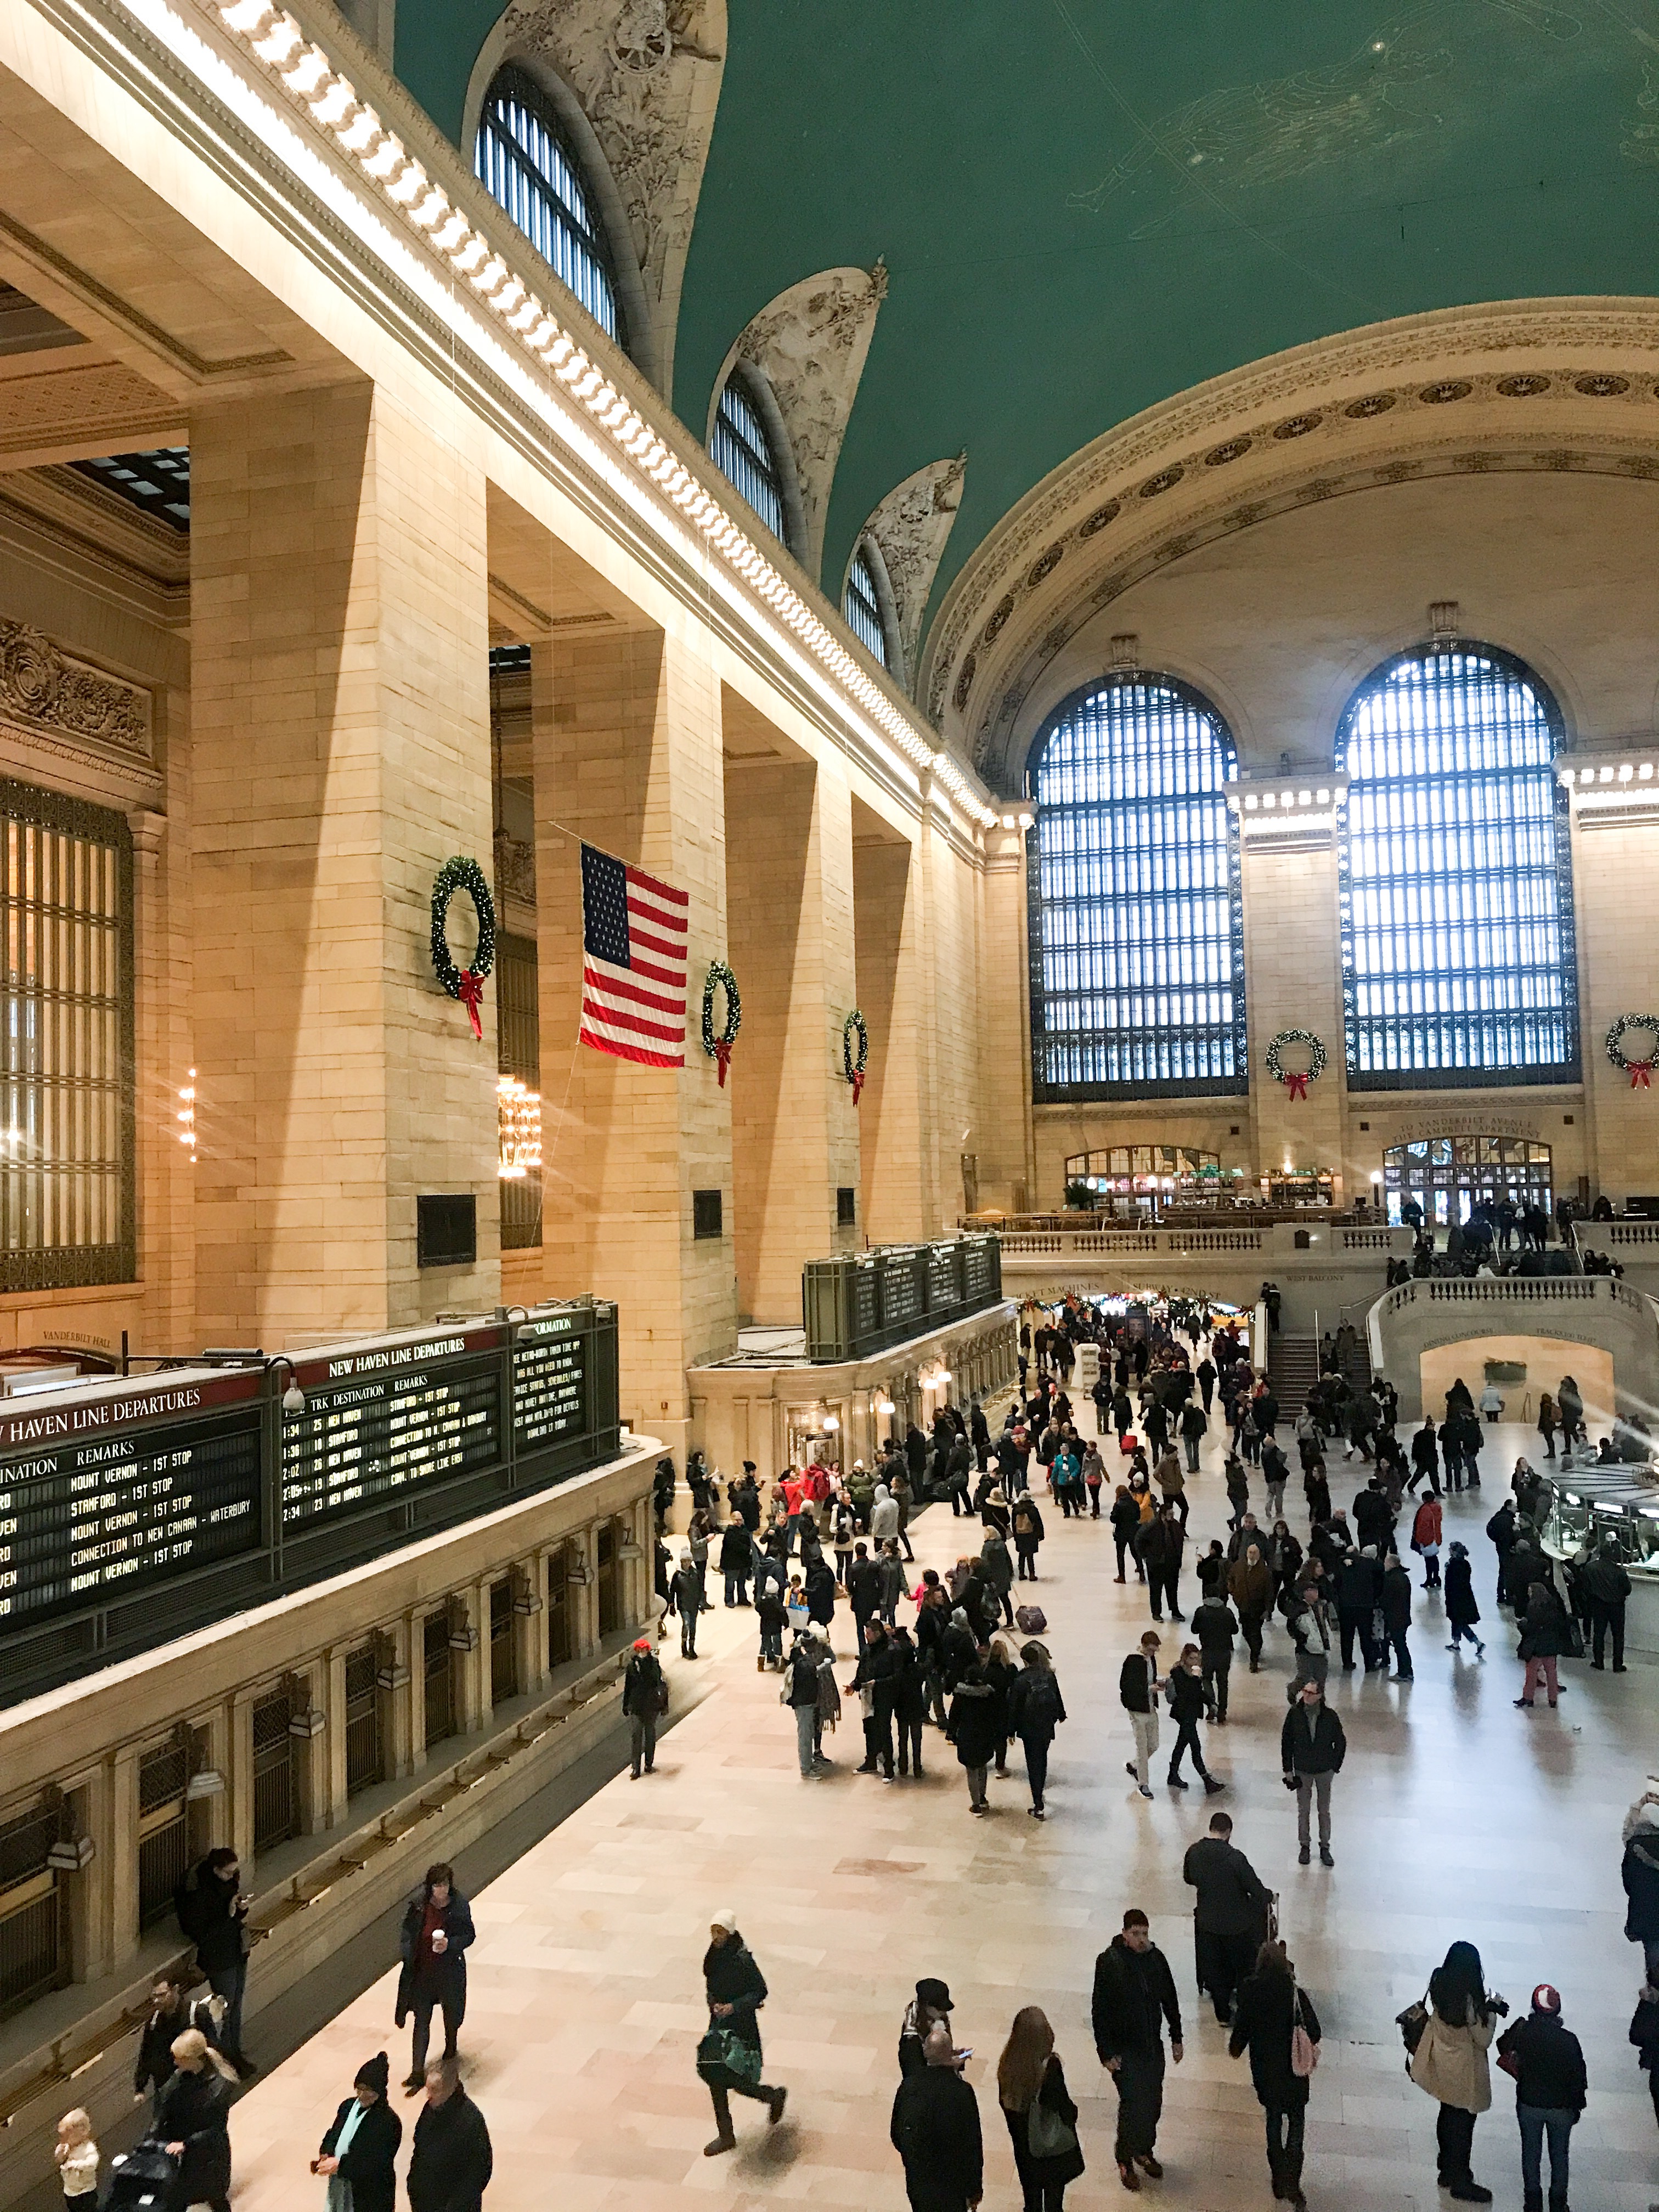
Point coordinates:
[(1030, 2074), (433, 1942), (1543, 1640), (1269, 2008), (191, 2123), (1461, 1611), (366, 2163), (735, 1990), (975, 1726)]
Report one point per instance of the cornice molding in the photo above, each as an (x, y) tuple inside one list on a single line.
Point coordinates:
[(1529, 375)]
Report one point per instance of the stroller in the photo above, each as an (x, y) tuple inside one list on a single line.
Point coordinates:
[(140, 2178)]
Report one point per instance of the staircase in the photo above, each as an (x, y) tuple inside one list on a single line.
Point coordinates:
[(1293, 1370), (1356, 1366)]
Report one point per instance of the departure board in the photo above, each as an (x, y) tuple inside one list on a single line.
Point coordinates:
[(550, 1381), (110, 1513), (378, 1422)]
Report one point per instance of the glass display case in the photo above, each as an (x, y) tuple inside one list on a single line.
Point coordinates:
[(1595, 1503)]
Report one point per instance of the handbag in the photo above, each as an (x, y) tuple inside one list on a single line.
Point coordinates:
[(1510, 2061), (1573, 1638), (1305, 2051), (1047, 2134), (721, 2055), (1412, 2023)]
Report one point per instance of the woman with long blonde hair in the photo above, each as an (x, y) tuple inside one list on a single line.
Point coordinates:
[(191, 2123), (1040, 2116)]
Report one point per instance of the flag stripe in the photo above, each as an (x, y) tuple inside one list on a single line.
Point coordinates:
[(633, 1052), (620, 1025), (638, 877), (635, 933), (612, 986)]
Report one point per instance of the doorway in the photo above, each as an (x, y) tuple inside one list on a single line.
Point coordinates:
[(1449, 1176)]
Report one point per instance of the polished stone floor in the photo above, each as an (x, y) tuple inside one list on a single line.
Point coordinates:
[(1456, 1816)]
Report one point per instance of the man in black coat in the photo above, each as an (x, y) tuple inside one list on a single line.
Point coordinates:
[(935, 2130), (1394, 1596), (450, 2167), (173, 2012), (213, 1912), (642, 1702), (863, 1590), (1356, 1601), (1134, 1995), (433, 1942), (1605, 1587), (1312, 1747), (1230, 1920)]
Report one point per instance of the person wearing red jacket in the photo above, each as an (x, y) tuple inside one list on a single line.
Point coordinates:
[(1425, 1541)]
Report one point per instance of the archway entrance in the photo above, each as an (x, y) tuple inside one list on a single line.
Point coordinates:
[(1449, 1176)]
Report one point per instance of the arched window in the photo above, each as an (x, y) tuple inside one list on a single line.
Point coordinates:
[(523, 156), (744, 450), (1137, 941), (1458, 961), (862, 606)]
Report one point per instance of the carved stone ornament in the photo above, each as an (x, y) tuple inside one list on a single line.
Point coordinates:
[(44, 690), (646, 74), (1433, 370), (911, 526), (810, 344)]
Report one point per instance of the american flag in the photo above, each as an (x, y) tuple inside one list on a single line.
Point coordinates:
[(634, 956)]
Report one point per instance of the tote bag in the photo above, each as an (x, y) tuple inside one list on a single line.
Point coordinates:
[(1305, 2051), (1047, 2134)]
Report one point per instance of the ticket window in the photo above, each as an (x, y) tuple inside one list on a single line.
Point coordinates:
[(276, 1786), (503, 1648), (440, 1678), (610, 1581), (163, 1828), (34, 1949), (561, 1630), (365, 1733)]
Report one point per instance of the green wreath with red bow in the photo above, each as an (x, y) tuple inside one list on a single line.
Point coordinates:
[(854, 1064), (1296, 1080), (466, 984)]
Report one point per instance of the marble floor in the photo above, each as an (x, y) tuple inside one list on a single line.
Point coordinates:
[(1455, 1816)]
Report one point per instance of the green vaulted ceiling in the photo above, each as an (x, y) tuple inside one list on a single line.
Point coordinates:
[(1086, 206)]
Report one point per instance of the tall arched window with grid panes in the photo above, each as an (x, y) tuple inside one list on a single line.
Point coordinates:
[(1459, 968), (1137, 941), (523, 156), (744, 450)]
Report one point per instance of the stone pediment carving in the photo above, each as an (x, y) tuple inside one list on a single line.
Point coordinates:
[(45, 691), (910, 527)]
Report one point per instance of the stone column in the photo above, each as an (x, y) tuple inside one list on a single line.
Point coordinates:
[(239, 1780), (416, 1631), (1293, 981), (399, 1706), (340, 729), (887, 930), (166, 1244), (122, 1884), (794, 1130), (626, 741), (334, 1738), (472, 1669)]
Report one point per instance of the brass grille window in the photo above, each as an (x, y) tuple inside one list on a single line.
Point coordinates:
[(364, 1745), (163, 1829), (66, 1101), (33, 1954), (560, 1646), (503, 1651), (276, 1800), (440, 1678), (610, 1581)]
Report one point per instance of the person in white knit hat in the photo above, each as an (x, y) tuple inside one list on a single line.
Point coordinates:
[(729, 2056)]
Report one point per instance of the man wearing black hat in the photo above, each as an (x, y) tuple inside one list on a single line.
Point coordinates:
[(932, 2004), (935, 2129)]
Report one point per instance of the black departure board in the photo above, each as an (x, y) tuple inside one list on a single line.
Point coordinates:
[(385, 1421), (550, 1381), (100, 1516)]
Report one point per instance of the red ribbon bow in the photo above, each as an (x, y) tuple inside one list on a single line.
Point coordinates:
[(472, 996), (858, 1083), (722, 1057), (1640, 1070), (1297, 1085)]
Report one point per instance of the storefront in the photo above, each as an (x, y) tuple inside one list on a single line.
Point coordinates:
[(1449, 1176)]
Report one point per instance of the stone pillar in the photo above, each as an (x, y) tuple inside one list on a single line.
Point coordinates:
[(626, 741), (1293, 981), (122, 1886), (239, 1780), (530, 1629), (416, 1631), (334, 1737), (1007, 1162), (794, 1130), (473, 1668), (162, 1070), (340, 729), (585, 1595), (887, 931), (399, 1706)]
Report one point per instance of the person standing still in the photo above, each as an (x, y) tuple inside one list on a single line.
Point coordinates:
[(1450, 2064), (685, 1597), (1137, 1689), (800, 1693), (729, 2057), (935, 2129), (213, 1914), (644, 1695), (1312, 1747), (1547, 2062), (436, 1931), (1134, 1995)]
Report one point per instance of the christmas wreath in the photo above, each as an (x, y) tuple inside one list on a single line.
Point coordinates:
[(1296, 1081), (720, 1047), (466, 984), (1638, 1070), (854, 1067)]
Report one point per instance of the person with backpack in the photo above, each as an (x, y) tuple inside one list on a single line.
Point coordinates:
[(1276, 2023), (1027, 1527), (172, 2015), (1036, 1710), (645, 1698), (1547, 2063)]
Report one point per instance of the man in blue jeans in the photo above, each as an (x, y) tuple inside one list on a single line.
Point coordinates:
[(1547, 2062)]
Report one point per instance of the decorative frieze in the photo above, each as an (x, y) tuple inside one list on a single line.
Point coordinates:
[(45, 691)]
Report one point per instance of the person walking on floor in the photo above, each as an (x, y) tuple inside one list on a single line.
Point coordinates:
[(1450, 2062), (1276, 2023), (1461, 1611), (452, 2161), (1186, 1695), (170, 2016), (1547, 2062), (935, 2129), (1312, 1747), (190, 2122), (1027, 1527), (358, 2153), (212, 1910), (1214, 1626), (975, 1729), (433, 1942), (1229, 1918), (1137, 1689), (1543, 1640), (1036, 1710), (1395, 1598), (1126, 1527), (1134, 1995), (1040, 2116), (1163, 1541), (1250, 1585), (729, 2056), (644, 1694), (1427, 1524), (686, 1598)]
